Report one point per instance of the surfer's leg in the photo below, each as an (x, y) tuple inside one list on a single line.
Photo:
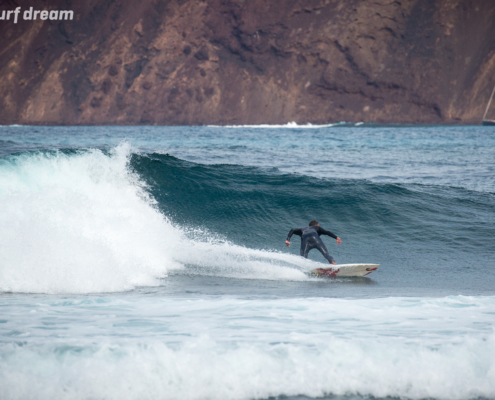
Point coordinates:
[(323, 250), (305, 248), (306, 245)]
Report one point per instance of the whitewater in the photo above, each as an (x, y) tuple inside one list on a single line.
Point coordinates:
[(149, 262)]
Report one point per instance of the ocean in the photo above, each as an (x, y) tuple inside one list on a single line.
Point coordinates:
[(149, 262)]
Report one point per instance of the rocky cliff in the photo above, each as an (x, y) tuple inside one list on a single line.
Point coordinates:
[(248, 62)]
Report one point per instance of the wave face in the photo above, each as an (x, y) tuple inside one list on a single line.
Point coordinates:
[(93, 221), (419, 227)]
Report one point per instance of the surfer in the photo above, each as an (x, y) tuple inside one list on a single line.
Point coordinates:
[(310, 239)]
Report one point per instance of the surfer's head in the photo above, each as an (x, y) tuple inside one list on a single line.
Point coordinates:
[(314, 223)]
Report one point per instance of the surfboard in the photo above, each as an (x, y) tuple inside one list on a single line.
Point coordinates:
[(343, 270)]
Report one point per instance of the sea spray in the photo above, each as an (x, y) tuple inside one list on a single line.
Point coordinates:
[(79, 222)]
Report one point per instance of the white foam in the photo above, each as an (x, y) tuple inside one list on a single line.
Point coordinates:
[(221, 258), (239, 349), (82, 223), (77, 224)]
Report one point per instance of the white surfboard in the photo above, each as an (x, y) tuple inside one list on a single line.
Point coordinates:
[(343, 270)]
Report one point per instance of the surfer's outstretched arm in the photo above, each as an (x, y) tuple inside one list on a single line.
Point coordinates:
[(322, 231), (297, 231)]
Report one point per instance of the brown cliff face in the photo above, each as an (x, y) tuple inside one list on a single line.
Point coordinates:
[(248, 62)]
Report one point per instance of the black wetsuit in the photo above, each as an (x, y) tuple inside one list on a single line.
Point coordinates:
[(310, 239)]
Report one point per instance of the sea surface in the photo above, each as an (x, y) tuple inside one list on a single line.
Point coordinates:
[(149, 262)]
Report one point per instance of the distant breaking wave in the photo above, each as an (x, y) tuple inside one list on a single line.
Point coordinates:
[(291, 125)]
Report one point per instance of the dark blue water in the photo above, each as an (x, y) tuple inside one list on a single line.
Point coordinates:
[(157, 254)]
